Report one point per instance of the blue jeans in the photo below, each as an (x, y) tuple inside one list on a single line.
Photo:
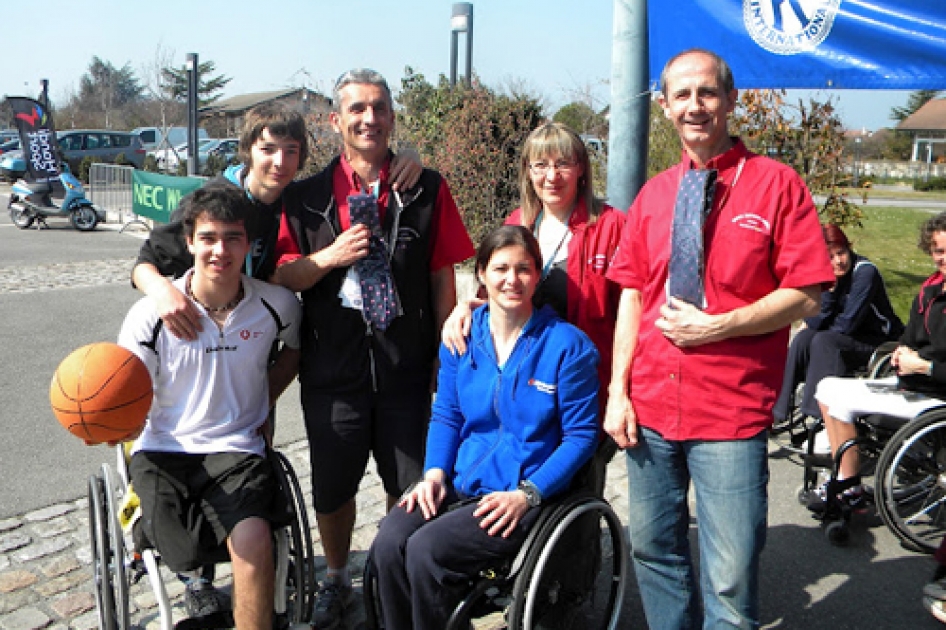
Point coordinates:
[(729, 479)]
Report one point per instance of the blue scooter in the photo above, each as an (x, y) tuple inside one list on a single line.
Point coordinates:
[(63, 196)]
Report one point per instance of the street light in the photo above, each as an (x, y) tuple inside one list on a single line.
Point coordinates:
[(461, 22), (192, 117), (857, 155), (929, 160)]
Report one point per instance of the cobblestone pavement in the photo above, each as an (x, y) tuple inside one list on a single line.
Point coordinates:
[(54, 276), (45, 559)]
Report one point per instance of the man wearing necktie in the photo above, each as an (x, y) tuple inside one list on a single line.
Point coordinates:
[(375, 269), (720, 254)]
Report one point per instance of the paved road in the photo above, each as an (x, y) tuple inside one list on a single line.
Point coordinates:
[(879, 201), (60, 289)]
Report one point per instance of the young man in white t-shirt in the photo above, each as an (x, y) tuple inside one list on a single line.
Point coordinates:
[(199, 466)]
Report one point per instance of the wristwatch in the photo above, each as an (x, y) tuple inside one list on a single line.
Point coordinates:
[(533, 496)]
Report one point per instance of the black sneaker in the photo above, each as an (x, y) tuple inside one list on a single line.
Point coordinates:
[(857, 498), (331, 600), (201, 599)]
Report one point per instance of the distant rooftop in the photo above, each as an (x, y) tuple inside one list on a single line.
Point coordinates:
[(930, 117), (241, 103)]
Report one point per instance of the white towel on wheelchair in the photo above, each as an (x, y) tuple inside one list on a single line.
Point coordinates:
[(848, 398)]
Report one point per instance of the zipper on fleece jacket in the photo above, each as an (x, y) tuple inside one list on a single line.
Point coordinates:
[(497, 390)]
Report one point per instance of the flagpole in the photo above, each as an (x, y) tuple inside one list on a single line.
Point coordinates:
[(630, 103)]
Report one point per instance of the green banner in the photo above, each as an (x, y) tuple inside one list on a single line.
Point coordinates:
[(156, 196)]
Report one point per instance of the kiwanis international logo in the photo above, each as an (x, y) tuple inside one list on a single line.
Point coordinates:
[(788, 27)]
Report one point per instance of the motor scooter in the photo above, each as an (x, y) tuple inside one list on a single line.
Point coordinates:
[(62, 196)]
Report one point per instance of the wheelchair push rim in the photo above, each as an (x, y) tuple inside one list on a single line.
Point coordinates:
[(912, 489), (301, 588), (108, 557), (533, 591)]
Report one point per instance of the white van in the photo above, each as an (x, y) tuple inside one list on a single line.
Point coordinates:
[(152, 137)]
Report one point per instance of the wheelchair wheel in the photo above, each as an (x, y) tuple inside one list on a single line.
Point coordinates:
[(300, 589), (791, 432), (879, 365), (838, 533), (108, 557), (911, 482), (558, 587), (371, 601)]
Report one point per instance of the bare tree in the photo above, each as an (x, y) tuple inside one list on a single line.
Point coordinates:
[(162, 104)]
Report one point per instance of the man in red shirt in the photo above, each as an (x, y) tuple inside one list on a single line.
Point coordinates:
[(368, 350), (693, 385)]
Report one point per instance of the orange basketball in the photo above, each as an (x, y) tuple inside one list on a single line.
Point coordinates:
[(101, 393)]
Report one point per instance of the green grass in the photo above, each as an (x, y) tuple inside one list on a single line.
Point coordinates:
[(889, 238)]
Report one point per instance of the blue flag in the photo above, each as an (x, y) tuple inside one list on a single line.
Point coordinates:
[(837, 44)]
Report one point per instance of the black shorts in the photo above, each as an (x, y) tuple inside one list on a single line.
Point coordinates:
[(191, 503), (344, 428)]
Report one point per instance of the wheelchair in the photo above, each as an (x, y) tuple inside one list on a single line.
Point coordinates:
[(873, 433), (570, 572), (910, 480), (792, 433), (117, 565)]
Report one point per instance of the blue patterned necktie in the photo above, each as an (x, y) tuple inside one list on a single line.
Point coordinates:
[(694, 203), (378, 295)]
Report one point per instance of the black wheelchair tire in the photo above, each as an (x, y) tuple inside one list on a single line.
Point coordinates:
[(910, 496)]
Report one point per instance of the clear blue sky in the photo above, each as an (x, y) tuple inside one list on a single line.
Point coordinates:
[(558, 49)]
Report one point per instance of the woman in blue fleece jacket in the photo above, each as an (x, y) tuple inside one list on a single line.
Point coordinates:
[(514, 419)]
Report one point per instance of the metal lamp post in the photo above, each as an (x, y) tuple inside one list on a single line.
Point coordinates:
[(461, 22), (929, 160), (857, 156), (192, 120)]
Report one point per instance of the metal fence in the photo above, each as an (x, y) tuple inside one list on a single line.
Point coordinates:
[(110, 188)]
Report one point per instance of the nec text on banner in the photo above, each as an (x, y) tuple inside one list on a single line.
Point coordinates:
[(156, 196), (838, 44)]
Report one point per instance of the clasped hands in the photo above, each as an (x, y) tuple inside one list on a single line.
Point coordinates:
[(907, 361)]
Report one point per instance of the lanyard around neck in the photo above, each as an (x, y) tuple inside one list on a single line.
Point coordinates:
[(548, 264)]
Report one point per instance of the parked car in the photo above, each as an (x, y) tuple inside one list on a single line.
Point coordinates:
[(76, 145), (168, 159), (12, 166), (9, 145), (227, 148), (594, 143), (158, 138)]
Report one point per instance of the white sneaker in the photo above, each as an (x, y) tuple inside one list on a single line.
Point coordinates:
[(935, 607)]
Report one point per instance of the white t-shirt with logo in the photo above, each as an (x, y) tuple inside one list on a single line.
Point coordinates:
[(212, 394)]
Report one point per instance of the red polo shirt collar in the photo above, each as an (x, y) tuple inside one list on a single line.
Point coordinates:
[(345, 182)]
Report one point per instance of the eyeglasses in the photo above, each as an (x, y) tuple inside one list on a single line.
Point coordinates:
[(559, 166)]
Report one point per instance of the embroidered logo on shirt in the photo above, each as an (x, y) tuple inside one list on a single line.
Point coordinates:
[(255, 334), (598, 263), (754, 222), (545, 388)]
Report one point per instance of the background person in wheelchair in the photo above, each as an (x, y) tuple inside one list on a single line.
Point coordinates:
[(199, 466), (920, 361), (514, 419), (855, 318)]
